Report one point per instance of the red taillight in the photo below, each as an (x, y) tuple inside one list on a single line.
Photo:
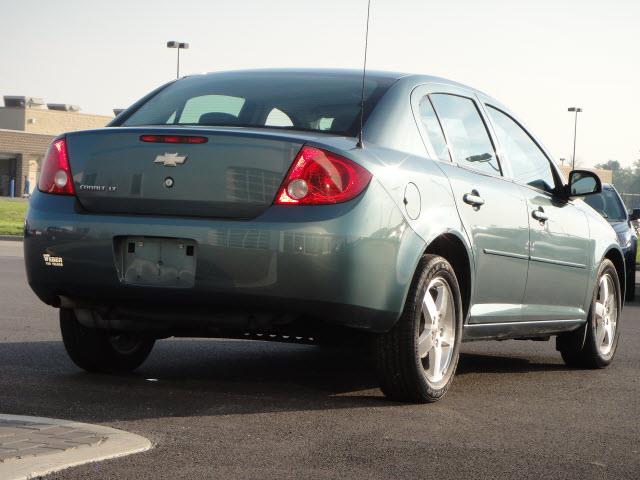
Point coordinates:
[(319, 177), (55, 175), (173, 139)]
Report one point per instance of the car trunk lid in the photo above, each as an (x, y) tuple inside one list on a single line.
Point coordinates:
[(235, 174)]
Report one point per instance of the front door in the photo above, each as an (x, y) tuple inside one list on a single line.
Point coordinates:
[(559, 245), (492, 208)]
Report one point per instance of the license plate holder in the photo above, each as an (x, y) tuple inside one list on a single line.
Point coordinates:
[(156, 261)]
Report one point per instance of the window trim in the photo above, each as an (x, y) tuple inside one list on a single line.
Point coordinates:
[(415, 97), (501, 174), (426, 133)]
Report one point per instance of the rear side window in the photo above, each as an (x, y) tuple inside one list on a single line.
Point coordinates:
[(434, 132), (466, 132), (316, 101), (529, 164)]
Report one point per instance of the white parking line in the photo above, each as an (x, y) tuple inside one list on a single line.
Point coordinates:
[(10, 248), (71, 444)]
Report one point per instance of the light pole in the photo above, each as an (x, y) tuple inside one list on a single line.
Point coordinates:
[(575, 132), (177, 45)]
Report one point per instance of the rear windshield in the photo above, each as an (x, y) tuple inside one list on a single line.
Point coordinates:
[(310, 101)]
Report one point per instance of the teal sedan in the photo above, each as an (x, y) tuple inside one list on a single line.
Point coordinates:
[(409, 214)]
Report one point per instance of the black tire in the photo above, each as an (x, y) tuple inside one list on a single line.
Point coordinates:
[(99, 350), (579, 349), (400, 368)]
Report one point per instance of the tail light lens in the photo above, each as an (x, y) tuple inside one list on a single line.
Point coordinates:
[(55, 175), (319, 177)]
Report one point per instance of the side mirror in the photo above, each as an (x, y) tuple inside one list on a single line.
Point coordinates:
[(583, 182), (634, 214)]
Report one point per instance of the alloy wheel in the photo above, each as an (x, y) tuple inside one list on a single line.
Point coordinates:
[(606, 314), (437, 330)]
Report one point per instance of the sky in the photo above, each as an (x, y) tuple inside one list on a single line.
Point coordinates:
[(537, 57)]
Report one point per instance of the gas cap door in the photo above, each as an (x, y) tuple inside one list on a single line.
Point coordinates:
[(412, 201)]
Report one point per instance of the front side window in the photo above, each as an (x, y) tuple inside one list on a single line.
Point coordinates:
[(434, 132), (529, 164), (466, 132)]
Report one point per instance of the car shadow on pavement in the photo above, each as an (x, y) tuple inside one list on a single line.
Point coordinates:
[(205, 377), (477, 363)]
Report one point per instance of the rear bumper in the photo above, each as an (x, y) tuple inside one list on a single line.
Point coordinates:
[(348, 264)]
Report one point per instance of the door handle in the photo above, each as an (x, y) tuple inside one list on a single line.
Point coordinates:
[(474, 199), (540, 215)]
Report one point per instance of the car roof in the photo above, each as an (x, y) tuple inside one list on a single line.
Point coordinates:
[(296, 71), (347, 72)]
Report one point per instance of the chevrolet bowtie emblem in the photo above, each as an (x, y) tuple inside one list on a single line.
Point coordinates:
[(170, 159)]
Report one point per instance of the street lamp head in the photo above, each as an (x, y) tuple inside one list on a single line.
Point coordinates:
[(174, 44), (575, 109)]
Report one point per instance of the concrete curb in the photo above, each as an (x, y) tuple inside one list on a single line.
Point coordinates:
[(12, 237), (117, 443)]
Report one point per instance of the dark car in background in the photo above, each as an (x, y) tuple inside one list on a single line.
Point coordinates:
[(609, 204)]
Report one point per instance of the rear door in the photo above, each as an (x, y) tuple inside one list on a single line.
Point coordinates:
[(493, 209), (560, 248)]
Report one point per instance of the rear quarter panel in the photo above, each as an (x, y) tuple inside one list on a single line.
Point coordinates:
[(397, 156)]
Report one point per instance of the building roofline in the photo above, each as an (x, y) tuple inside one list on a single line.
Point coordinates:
[(57, 112), (8, 130)]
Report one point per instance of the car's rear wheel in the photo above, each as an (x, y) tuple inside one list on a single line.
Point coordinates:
[(595, 344), (417, 359), (100, 350)]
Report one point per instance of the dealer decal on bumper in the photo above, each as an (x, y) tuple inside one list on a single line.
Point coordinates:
[(52, 261)]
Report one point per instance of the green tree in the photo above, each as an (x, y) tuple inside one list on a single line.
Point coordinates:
[(626, 180), (613, 165), (634, 181)]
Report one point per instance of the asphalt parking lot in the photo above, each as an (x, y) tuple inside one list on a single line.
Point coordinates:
[(232, 409)]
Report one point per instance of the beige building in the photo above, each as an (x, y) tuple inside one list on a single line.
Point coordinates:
[(605, 175), (27, 126)]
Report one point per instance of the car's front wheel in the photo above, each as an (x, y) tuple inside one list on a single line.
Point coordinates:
[(417, 359), (595, 344), (100, 350)]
